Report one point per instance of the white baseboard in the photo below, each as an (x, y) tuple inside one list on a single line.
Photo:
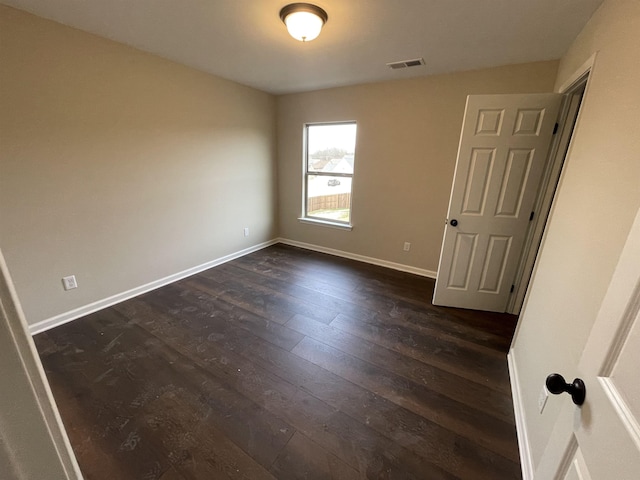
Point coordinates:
[(526, 462), (74, 314), (360, 258), (71, 315)]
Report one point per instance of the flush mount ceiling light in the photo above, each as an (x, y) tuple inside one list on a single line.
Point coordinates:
[(303, 20)]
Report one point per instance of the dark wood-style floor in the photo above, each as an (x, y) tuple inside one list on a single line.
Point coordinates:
[(286, 364)]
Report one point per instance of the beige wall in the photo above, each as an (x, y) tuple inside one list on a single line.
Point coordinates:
[(595, 205), (121, 167), (407, 142)]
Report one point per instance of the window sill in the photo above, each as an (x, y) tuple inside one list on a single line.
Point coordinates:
[(326, 223)]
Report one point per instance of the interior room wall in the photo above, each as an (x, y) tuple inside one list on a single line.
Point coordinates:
[(119, 167), (407, 141), (595, 204)]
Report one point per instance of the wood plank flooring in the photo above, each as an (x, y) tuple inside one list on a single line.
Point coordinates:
[(286, 364)]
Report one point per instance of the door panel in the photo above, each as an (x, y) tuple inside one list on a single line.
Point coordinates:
[(577, 468), (513, 183), (494, 265), (475, 195), (624, 376), (489, 122), (462, 258), (529, 121), (503, 150)]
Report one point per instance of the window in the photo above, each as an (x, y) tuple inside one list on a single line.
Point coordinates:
[(328, 172)]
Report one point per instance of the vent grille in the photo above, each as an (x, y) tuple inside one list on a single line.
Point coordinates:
[(414, 62)]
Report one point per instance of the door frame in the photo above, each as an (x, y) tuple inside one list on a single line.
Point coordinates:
[(576, 85), (37, 407), (560, 450)]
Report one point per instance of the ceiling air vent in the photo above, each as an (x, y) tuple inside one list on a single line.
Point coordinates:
[(406, 63)]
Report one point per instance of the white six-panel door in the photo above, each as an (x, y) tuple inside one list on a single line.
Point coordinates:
[(503, 150)]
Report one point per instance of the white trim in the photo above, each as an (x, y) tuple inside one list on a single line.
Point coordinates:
[(576, 77), (360, 258), (558, 154), (74, 314), (38, 405), (567, 458), (326, 223), (541, 208), (622, 409), (526, 461)]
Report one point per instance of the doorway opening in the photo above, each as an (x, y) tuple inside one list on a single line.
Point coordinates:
[(573, 96)]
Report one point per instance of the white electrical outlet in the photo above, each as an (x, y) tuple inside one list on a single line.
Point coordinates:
[(542, 398), (246, 231), (407, 246), (69, 283)]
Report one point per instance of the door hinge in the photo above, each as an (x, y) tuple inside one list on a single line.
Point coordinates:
[(513, 287), (555, 128), (531, 216)]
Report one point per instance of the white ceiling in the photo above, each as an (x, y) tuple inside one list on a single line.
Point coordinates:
[(245, 41)]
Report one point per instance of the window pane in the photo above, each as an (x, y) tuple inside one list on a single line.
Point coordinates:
[(329, 197), (331, 148)]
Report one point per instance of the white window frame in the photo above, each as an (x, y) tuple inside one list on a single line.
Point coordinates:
[(306, 218)]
